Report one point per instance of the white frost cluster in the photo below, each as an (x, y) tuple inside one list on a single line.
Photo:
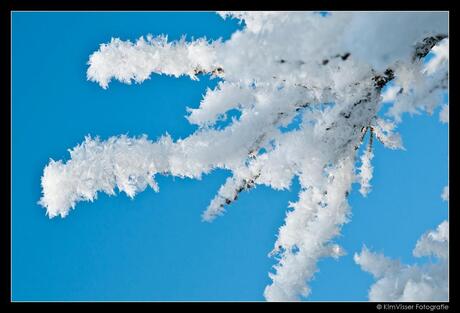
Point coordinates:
[(306, 236), (384, 130), (440, 57), (365, 172), (445, 193), (434, 242), (399, 282), (326, 71), (444, 114), (127, 61), (421, 86)]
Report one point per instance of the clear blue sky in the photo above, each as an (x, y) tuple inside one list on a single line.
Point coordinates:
[(155, 247)]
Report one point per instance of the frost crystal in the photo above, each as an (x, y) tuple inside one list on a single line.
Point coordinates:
[(328, 71)]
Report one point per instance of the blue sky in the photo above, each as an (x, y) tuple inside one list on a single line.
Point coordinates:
[(155, 247)]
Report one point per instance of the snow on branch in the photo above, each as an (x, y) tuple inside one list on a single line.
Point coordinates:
[(307, 89), (366, 169), (306, 236), (127, 61), (421, 86), (227, 194), (399, 282)]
